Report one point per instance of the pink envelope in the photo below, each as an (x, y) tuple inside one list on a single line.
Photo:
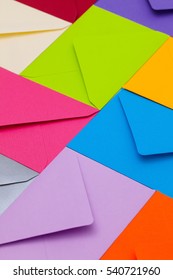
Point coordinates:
[(36, 123)]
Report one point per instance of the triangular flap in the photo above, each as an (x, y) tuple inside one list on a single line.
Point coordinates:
[(63, 9), (41, 104), (18, 18), (154, 79), (150, 124), (12, 172), (55, 201), (107, 64), (160, 5)]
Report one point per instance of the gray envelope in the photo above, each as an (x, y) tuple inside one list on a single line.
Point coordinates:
[(14, 179)]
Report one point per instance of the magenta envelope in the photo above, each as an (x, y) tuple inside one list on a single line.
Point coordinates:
[(74, 209), (36, 123)]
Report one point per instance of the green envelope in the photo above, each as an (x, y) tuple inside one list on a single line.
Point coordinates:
[(93, 59)]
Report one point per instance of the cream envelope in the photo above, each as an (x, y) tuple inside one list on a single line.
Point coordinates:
[(25, 33)]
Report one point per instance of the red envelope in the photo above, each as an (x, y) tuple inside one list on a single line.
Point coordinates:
[(36, 123), (69, 10)]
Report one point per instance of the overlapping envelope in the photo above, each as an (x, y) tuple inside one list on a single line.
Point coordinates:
[(36, 123), (149, 235), (65, 9), (160, 5), (154, 79), (14, 179), (156, 14), (133, 136), (25, 33), (72, 210), (108, 194), (95, 57)]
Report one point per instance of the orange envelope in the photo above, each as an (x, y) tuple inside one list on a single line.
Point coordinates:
[(149, 236), (155, 79), (36, 123)]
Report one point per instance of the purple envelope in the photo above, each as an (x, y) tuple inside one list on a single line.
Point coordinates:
[(75, 209), (156, 14), (161, 4)]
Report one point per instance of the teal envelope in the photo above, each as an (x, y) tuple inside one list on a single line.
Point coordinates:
[(133, 136), (95, 57)]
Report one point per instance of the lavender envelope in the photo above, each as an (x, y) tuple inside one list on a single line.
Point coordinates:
[(60, 201), (156, 14)]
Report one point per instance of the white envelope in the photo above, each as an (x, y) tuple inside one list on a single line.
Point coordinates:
[(25, 33)]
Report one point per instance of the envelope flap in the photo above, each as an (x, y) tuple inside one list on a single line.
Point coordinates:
[(150, 123), (106, 63), (18, 18), (55, 201), (161, 4), (12, 172), (41, 104)]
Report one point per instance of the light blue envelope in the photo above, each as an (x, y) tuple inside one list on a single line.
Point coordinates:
[(133, 136)]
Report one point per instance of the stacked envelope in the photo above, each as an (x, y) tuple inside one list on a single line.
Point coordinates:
[(86, 138)]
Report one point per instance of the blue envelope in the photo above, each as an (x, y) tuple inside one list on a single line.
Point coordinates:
[(133, 136), (156, 14)]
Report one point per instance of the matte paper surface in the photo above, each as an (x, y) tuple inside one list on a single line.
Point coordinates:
[(63, 197), (93, 59)]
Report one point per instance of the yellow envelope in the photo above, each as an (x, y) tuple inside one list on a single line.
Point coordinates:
[(155, 79), (25, 33)]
